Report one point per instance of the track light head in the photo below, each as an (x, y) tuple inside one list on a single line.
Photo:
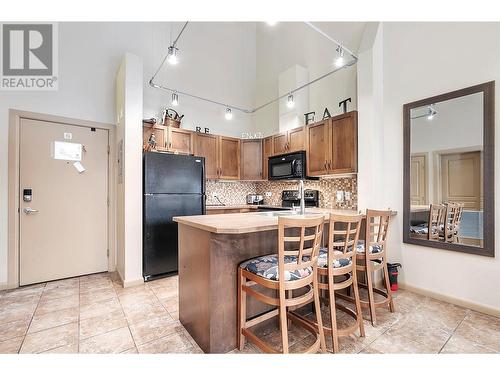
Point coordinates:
[(290, 101), (229, 114), (339, 61), (173, 55), (175, 99)]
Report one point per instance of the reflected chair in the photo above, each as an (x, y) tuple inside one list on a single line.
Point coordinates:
[(293, 269), (450, 230), (435, 222), (337, 271), (371, 257)]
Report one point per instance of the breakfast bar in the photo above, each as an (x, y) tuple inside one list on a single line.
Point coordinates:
[(210, 249)]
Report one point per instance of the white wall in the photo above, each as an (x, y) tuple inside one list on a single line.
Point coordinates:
[(416, 61), (286, 44)]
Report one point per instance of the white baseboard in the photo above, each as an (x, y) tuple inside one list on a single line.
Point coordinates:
[(129, 283), (456, 301)]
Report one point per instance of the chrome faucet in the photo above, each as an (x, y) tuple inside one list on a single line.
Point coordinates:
[(302, 197)]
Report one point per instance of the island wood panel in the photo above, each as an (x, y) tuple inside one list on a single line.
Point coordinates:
[(180, 141), (344, 143), (229, 158), (296, 139), (318, 148), (251, 159), (280, 144), (267, 151), (208, 283), (207, 146)]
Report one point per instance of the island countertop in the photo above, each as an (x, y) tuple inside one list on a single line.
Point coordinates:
[(239, 223)]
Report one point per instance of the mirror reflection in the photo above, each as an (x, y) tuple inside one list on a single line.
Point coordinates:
[(446, 173)]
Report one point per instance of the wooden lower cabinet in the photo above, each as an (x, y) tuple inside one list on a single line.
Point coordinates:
[(267, 151), (251, 159), (207, 146)]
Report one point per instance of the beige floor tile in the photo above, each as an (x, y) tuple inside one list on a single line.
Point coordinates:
[(248, 349), (174, 314), (145, 311), (138, 298), (99, 308), (460, 345), (130, 351), (102, 323), (481, 329), (13, 329), (53, 319), (175, 343), (98, 295), (115, 341), (149, 330), (96, 285), (171, 304), (60, 292), (17, 311), (442, 312), (398, 344), (62, 284), (370, 351), (25, 291), (66, 349), (165, 292), (11, 346), (50, 339), (46, 306)]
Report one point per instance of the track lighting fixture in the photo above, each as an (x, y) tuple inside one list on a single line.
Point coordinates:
[(175, 99), (290, 102), (229, 114), (431, 112), (339, 61), (172, 56)]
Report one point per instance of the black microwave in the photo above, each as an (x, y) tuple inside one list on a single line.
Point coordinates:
[(288, 166)]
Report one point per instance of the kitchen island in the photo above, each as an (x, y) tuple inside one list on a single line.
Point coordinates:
[(210, 249)]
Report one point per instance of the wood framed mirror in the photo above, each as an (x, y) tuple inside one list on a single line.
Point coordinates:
[(449, 171)]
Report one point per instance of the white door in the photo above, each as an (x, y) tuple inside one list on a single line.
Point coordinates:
[(64, 228)]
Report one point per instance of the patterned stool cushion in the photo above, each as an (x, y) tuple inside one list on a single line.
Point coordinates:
[(373, 249), (337, 263), (419, 229), (267, 267)]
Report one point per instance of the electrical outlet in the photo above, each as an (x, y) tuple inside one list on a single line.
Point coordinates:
[(268, 194), (347, 195)]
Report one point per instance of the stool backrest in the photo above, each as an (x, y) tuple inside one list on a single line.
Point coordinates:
[(299, 237), (437, 215), (343, 235), (377, 225), (453, 217)]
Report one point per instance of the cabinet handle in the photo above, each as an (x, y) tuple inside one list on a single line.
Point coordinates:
[(326, 168)]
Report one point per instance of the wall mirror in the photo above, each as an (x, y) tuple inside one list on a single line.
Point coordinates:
[(449, 171)]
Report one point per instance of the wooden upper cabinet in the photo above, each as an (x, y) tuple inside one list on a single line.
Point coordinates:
[(251, 159), (160, 135), (332, 145), (296, 139), (180, 141), (267, 151), (229, 158), (318, 148), (280, 143), (207, 146), (344, 143), (290, 141)]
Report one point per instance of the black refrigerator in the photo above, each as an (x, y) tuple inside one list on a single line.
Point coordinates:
[(173, 185)]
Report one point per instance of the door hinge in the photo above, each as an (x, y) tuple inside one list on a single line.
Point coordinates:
[(107, 253)]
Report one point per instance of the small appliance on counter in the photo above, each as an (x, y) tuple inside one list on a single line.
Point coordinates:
[(291, 198), (255, 199)]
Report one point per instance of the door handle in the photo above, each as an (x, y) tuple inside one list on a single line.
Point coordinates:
[(29, 210)]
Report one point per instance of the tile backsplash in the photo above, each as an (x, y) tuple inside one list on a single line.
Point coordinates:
[(234, 193)]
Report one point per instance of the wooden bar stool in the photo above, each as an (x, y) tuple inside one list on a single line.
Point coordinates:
[(336, 264), (374, 259), (294, 268)]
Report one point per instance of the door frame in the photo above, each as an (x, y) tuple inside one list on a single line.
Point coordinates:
[(426, 173), (13, 233)]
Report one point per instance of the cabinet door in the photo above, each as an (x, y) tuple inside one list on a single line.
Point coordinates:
[(251, 159), (344, 144), (206, 145), (229, 158), (180, 141), (267, 151), (318, 148), (160, 135), (296, 139), (280, 144)]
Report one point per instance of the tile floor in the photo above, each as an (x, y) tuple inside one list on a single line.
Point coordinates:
[(94, 314)]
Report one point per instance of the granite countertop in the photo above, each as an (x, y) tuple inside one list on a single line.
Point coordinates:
[(241, 206), (239, 223)]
